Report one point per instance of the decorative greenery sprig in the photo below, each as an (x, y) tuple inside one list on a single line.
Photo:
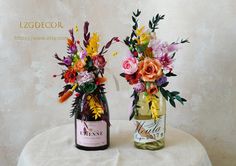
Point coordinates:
[(135, 105), (153, 24)]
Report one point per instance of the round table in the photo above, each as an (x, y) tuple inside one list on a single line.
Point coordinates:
[(55, 147)]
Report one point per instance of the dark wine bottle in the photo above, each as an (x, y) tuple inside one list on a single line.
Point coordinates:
[(92, 123)]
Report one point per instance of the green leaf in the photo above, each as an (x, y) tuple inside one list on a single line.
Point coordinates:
[(165, 84), (174, 93), (150, 24), (132, 114), (153, 24), (179, 99), (170, 74), (134, 20), (122, 74), (76, 106), (173, 55), (164, 93), (184, 41), (183, 99), (172, 102), (137, 13)]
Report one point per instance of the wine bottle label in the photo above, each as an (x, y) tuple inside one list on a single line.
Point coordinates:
[(149, 130), (91, 133)]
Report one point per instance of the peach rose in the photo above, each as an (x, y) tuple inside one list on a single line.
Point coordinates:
[(152, 90), (150, 69), (79, 66)]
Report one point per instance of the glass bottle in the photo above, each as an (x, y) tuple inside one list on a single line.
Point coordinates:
[(150, 133), (91, 133)]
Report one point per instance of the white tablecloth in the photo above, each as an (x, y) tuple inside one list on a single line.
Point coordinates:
[(55, 147)]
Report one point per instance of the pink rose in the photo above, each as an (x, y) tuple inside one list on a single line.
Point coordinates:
[(130, 65), (99, 61)]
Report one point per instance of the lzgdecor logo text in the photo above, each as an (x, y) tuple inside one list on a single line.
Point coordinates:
[(41, 25)]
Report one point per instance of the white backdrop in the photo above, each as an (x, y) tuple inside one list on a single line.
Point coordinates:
[(205, 67)]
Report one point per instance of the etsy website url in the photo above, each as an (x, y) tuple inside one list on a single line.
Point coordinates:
[(31, 38)]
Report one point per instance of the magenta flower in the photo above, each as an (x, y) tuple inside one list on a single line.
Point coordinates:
[(166, 62), (73, 49), (67, 61)]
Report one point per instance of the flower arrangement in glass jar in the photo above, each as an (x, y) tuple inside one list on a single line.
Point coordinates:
[(147, 69)]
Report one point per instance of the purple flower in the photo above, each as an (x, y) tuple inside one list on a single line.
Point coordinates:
[(73, 49), (67, 61), (83, 54), (139, 87), (84, 77), (161, 81)]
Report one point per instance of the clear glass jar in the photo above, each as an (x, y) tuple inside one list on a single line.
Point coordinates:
[(150, 133)]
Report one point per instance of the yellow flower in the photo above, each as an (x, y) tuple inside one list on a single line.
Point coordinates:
[(154, 106), (143, 37), (76, 28), (95, 106), (115, 53), (92, 47), (140, 31)]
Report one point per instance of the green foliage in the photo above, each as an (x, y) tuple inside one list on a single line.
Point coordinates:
[(134, 105), (122, 74), (137, 13), (76, 106), (170, 74), (129, 41), (182, 41), (89, 65), (172, 96), (141, 48), (153, 24)]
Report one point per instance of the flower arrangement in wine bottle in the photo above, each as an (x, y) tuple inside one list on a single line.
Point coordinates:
[(83, 72), (149, 65)]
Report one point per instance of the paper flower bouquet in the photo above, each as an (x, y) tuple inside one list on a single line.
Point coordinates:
[(83, 70), (147, 69)]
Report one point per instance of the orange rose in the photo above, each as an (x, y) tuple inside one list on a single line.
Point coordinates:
[(79, 66), (152, 90), (150, 69)]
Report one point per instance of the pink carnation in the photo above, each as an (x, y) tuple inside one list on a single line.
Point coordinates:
[(130, 65)]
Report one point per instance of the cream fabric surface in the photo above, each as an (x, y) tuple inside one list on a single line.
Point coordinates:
[(55, 147)]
